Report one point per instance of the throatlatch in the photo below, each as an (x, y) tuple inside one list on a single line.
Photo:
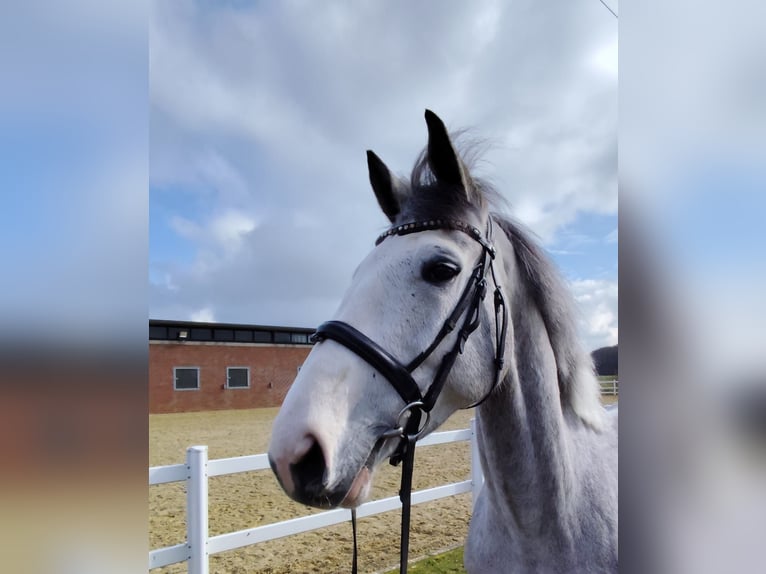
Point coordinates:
[(418, 405)]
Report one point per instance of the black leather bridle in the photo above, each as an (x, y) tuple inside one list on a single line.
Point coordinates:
[(410, 423)]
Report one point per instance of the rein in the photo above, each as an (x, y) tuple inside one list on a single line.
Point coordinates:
[(413, 419)]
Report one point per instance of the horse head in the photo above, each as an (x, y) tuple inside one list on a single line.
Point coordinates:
[(335, 424)]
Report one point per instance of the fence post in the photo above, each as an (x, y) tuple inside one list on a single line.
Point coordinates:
[(477, 476), (196, 509)]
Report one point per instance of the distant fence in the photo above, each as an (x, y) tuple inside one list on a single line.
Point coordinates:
[(199, 545), (610, 387)]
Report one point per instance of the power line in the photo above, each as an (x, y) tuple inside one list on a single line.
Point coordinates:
[(608, 8)]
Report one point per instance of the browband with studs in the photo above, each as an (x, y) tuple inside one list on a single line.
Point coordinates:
[(432, 224)]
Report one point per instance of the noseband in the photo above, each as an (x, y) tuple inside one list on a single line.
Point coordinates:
[(413, 419)]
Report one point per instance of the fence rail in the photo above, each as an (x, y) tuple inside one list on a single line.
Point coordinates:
[(611, 388), (198, 469)]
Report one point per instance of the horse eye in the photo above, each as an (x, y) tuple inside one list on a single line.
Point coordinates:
[(439, 271)]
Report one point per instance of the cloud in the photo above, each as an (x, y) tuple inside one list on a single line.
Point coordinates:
[(204, 315), (604, 59), (224, 231), (229, 228), (597, 309), (260, 116)]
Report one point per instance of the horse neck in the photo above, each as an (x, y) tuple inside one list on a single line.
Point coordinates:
[(524, 436)]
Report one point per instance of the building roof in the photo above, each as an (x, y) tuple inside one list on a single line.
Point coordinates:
[(169, 330)]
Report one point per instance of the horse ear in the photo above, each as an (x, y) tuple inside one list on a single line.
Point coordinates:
[(388, 189), (442, 157)]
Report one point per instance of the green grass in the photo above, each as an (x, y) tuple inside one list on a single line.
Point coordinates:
[(448, 563)]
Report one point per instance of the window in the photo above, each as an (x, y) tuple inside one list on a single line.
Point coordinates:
[(243, 336), (299, 338), (157, 332), (186, 378), (223, 334), (262, 336), (199, 334), (237, 377), (281, 337)]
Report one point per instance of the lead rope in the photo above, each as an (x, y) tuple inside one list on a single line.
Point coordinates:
[(405, 490), (406, 498), (353, 528)]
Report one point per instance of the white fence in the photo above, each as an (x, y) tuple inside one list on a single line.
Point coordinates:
[(198, 469), (610, 387)]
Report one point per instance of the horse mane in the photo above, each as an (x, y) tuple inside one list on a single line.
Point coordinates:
[(578, 386), (574, 366)]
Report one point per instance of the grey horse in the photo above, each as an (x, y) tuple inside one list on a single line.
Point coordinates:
[(548, 448)]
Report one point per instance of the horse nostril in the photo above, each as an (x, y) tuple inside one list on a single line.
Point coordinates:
[(308, 475)]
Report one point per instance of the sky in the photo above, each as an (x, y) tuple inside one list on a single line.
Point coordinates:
[(260, 115)]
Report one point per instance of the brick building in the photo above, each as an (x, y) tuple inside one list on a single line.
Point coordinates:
[(213, 366)]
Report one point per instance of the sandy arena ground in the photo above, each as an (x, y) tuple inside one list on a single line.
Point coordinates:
[(252, 499)]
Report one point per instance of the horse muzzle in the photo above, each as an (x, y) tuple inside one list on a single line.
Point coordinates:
[(303, 473)]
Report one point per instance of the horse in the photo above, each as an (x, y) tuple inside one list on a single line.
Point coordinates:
[(415, 338)]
